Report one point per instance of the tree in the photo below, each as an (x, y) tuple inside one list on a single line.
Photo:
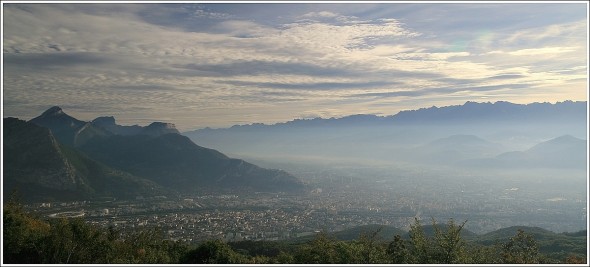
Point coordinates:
[(520, 249), (22, 234), (397, 251), (371, 249), (450, 244), (420, 247), (320, 250), (447, 246), (285, 258), (214, 252), (479, 254)]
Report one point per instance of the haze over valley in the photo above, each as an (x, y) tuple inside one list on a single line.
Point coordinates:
[(390, 170), (379, 132), (467, 161)]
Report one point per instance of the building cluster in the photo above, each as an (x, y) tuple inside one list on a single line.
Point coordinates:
[(277, 216)]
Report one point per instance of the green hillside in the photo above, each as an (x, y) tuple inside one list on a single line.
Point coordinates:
[(42, 169), (31, 240)]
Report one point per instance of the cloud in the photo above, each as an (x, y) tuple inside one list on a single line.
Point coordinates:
[(315, 86), (542, 51), (441, 90), (439, 56), (328, 36), (244, 29), (178, 60), (320, 14), (550, 34), (507, 76), (49, 60), (259, 67)]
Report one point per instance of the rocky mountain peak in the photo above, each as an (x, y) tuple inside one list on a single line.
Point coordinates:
[(160, 125), (160, 128), (53, 111), (104, 121)]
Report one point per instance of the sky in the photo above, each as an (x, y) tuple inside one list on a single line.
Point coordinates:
[(216, 65)]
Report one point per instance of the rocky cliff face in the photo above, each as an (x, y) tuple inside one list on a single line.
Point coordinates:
[(33, 155), (41, 168), (159, 128), (109, 124), (74, 132), (66, 129), (56, 155)]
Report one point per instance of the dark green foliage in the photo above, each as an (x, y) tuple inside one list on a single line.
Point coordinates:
[(28, 239), (271, 249), (321, 250), (74, 241), (22, 234), (398, 251), (62, 241), (521, 249), (419, 244), (450, 245), (383, 232), (479, 254), (214, 252), (372, 249), (556, 247), (324, 249), (578, 233)]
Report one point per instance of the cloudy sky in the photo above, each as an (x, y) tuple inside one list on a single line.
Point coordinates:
[(216, 65)]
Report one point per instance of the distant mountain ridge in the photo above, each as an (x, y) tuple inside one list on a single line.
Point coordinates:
[(561, 152), (428, 136), (59, 155), (498, 111), (469, 112)]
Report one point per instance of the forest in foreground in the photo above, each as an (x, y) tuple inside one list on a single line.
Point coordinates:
[(29, 239)]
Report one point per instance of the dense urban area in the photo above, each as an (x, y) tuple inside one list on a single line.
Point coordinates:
[(338, 199)]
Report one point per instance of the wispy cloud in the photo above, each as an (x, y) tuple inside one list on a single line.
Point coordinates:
[(174, 61)]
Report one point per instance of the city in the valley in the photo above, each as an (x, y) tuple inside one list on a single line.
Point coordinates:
[(337, 201)]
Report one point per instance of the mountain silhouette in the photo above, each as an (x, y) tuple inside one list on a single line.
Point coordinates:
[(500, 111), (156, 153), (108, 123), (67, 129), (561, 152), (404, 137), (174, 161), (455, 148), (41, 168)]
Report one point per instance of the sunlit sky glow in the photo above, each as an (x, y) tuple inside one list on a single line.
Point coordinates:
[(216, 65)]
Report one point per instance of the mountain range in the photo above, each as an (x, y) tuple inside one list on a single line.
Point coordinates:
[(70, 158), (472, 134), (56, 156), (470, 112), (561, 152)]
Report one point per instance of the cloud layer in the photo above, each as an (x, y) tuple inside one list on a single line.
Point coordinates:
[(219, 65)]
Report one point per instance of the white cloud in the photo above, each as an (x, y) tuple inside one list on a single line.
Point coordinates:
[(122, 62), (321, 14), (543, 51), (554, 33)]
